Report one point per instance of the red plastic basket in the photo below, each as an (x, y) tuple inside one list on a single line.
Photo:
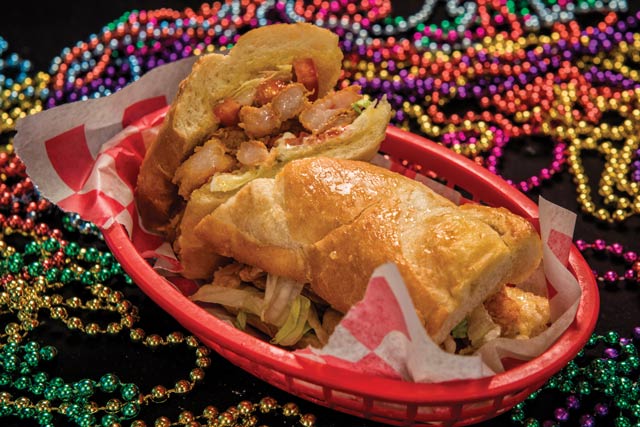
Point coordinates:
[(452, 403)]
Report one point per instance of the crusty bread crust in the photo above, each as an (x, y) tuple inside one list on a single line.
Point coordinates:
[(197, 258), (331, 222), (190, 119)]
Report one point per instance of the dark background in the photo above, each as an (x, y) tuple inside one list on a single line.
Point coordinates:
[(40, 30)]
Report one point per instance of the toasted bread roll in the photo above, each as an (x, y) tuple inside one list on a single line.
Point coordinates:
[(331, 222), (215, 77)]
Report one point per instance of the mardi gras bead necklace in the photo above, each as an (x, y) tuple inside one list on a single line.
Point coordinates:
[(31, 284), (617, 251), (21, 94), (504, 76), (607, 384), (156, 37)]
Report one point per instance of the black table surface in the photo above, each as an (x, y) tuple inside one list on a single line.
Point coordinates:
[(38, 31)]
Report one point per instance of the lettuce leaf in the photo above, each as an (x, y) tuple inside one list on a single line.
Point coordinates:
[(241, 320), (280, 305), (460, 331), (230, 181), (361, 105), (316, 325), (279, 294), (296, 324), (481, 327), (245, 298)]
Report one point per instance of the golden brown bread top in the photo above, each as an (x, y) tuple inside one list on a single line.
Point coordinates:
[(214, 77), (331, 222)]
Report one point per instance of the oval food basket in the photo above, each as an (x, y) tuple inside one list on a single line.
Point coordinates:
[(452, 403)]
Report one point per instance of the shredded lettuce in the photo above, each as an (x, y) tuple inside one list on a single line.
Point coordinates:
[(481, 327), (314, 323), (280, 305), (248, 298), (246, 90), (460, 331), (360, 105), (296, 324), (241, 320), (280, 292), (231, 181)]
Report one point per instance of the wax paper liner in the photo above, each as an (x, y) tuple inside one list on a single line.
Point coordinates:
[(85, 158)]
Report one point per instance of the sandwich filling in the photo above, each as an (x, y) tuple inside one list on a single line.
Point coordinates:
[(263, 120), (293, 316), (283, 309), (510, 313)]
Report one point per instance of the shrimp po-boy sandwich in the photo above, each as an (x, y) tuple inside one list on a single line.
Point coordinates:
[(307, 241)]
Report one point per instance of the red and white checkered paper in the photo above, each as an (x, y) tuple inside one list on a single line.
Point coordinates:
[(85, 157)]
